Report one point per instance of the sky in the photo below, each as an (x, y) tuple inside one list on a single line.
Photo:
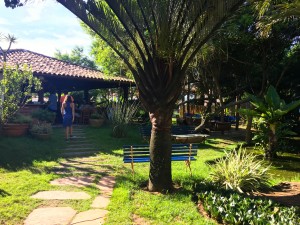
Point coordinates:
[(42, 27)]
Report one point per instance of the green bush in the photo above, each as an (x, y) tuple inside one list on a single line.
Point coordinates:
[(41, 128), (44, 115), (229, 207), (240, 171), (122, 114), (20, 118), (96, 116)]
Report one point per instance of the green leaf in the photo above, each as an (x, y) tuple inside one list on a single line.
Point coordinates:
[(289, 107), (249, 112), (272, 98), (258, 103)]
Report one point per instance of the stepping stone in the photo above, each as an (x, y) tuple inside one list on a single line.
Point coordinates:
[(106, 185), (79, 142), (100, 202), (80, 145), (76, 154), (50, 216), (90, 217), (79, 148), (61, 195), (78, 137), (75, 181)]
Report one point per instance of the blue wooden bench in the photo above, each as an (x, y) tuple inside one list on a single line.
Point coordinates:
[(140, 154)]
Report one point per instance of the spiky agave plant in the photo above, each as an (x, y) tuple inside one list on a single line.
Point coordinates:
[(122, 114), (240, 171)]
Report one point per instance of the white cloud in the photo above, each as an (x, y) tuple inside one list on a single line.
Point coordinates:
[(4, 21), (49, 46), (43, 27), (34, 12)]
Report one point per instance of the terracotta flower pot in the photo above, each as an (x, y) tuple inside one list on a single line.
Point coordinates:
[(96, 122), (15, 129)]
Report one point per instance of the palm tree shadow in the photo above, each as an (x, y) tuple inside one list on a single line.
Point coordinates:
[(3, 193)]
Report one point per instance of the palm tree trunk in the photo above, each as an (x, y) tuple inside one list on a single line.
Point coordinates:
[(160, 176), (271, 150), (248, 137)]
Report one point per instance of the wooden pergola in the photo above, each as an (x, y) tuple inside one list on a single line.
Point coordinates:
[(63, 75)]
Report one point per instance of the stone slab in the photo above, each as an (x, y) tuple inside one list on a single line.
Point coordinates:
[(61, 195), (75, 181), (106, 185), (90, 217), (50, 216), (100, 202)]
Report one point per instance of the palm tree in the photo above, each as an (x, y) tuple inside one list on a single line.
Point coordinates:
[(157, 40), (270, 109), (271, 12)]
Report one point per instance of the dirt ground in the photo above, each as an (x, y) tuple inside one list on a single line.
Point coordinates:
[(285, 193)]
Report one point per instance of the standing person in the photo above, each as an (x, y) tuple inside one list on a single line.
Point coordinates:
[(62, 98), (61, 101), (68, 112), (52, 102), (52, 107)]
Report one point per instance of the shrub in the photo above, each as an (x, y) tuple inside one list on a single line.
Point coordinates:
[(19, 118), (96, 116), (44, 115), (240, 171), (41, 128), (121, 116), (261, 137), (15, 85)]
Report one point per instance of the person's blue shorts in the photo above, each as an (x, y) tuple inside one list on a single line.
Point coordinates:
[(67, 121)]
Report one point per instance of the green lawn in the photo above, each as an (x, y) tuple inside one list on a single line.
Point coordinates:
[(27, 165)]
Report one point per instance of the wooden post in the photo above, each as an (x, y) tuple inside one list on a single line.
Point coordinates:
[(125, 93), (41, 96)]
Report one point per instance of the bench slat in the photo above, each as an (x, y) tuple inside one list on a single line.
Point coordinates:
[(141, 153), (147, 159)]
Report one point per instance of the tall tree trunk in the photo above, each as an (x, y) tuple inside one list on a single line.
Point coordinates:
[(270, 152), (248, 137), (237, 114), (160, 175)]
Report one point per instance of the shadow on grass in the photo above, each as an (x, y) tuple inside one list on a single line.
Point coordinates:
[(21, 152), (81, 166), (3, 193)]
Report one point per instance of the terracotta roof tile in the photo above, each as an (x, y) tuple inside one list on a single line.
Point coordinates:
[(43, 64)]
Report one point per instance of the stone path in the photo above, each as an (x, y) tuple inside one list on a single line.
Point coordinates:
[(67, 215), (78, 145)]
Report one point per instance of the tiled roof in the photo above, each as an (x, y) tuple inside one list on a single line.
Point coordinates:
[(45, 65)]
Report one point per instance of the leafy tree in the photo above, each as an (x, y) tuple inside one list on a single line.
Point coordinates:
[(157, 40), (247, 61), (76, 56), (15, 84), (270, 109), (271, 12), (105, 57), (109, 62)]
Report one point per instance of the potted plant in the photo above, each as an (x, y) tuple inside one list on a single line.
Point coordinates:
[(41, 130), (16, 126), (44, 115), (96, 120)]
